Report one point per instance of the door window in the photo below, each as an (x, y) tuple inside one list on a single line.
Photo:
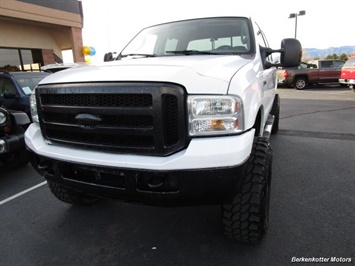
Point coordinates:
[(6, 86)]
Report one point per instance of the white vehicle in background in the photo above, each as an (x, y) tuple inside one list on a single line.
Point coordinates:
[(52, 68), (183, 116)]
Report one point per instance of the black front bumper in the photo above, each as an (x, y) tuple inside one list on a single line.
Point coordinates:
[(12, 143), (180, 187)]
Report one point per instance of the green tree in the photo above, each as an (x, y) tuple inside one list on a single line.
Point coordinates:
[(333, 56), (343, 57)]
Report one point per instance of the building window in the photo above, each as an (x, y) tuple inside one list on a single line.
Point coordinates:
[(9, 59), (15, 59)]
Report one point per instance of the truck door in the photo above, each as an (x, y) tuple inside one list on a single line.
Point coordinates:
[(329, 70)]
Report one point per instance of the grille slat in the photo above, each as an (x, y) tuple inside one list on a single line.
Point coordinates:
[(104, 131), (96, 110), (98, 100), (117, 121), (89, 140), (138, 118)]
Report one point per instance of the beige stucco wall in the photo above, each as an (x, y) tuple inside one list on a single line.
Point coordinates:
[(13, 34), (24, 25), (21, 10)]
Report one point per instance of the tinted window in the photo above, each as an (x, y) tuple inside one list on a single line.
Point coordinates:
[(9, 59), (6, 86), (16, 59), (326, 64), (262, 41)]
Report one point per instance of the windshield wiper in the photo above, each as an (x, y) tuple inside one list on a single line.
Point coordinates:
[(189, 52), (145, 55)]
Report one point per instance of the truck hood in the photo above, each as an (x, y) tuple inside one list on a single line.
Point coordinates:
[(197, 73)]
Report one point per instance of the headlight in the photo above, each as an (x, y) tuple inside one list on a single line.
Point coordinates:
[(215, 115), (33, 106), (3, 118)]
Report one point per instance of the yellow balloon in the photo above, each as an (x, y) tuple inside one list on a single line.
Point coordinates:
[(88, 60), (86, 50)]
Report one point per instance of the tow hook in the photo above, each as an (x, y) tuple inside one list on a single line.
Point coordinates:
[(42, 166)]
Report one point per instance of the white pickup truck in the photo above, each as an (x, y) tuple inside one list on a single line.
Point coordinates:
[(182, 116)]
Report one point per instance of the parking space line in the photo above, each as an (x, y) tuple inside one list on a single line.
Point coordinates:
[(23, 192)]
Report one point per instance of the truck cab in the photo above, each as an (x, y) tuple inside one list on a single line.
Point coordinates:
[(329, 69)]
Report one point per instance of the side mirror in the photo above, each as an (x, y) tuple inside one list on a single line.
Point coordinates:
[(291, 52), (108, 57), (10, 95)]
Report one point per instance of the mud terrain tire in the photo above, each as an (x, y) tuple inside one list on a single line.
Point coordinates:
[(245, 219)]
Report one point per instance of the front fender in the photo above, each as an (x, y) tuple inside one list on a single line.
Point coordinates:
[(248, 83)]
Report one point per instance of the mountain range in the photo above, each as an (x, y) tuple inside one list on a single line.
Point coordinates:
[(314, 52)]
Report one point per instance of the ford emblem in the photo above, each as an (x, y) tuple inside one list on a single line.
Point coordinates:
[(87, 120)]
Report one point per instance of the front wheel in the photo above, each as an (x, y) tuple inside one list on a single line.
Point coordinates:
[(300, 83), (71, 196), (246, 217)]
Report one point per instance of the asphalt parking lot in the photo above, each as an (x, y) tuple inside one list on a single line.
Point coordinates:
[(312, 206)]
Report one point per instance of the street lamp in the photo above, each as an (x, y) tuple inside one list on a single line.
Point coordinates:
[(295, 15)]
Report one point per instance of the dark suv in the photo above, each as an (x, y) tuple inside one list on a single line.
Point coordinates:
[(13, 151), (16, 88)]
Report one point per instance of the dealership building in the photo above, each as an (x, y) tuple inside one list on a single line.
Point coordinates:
[(33, 33)]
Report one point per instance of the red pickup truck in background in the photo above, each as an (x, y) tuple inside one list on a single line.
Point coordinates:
[(314, 72)]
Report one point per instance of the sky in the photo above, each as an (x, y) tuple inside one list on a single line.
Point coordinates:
[(110, 24)]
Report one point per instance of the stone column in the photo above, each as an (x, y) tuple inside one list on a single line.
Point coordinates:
[(77, 44), (48, 56)]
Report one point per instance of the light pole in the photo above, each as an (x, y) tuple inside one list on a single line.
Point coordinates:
[(295, 15)]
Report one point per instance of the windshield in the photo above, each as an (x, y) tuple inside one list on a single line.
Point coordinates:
[(350, 62), (198, 36), (27, 84)]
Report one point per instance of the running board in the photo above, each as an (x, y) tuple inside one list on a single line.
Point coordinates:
[(268, 126)]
